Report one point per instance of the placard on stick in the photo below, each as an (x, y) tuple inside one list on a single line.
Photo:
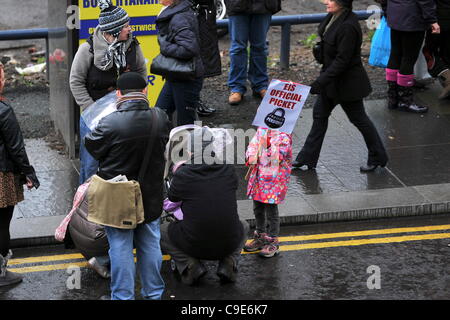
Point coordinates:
[(281, 106)]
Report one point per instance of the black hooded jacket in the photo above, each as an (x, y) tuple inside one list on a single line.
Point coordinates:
[(210, 228)]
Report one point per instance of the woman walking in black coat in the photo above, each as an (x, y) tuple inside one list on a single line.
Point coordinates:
[(179, 38), (15, 170), (343, 81), (408, 20)]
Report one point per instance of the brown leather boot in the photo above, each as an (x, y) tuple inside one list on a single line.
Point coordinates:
[(235, 98)]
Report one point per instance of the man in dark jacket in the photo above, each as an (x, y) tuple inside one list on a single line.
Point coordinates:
[(210, 229), (119, 143), (94, 74), (249, 21)]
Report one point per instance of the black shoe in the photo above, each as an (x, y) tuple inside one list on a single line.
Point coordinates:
[(204, 110), (298, 164), (227, 270), (406, 101), (370, 167), (414, 108), (193, 272)]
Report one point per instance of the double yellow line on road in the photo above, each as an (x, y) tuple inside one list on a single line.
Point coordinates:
[(15, 263)]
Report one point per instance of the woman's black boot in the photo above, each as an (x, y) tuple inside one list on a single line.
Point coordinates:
[(392, 95), (406, 101)]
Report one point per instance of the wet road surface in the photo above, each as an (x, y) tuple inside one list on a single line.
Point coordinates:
[(405, 258)]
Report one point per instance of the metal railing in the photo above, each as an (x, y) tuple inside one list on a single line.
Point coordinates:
[(287, 21), (26, 34), (284, 21)]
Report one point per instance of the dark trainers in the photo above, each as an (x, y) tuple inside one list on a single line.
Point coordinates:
[(257, 243), (101, 270), (203, 110), (194, 271), (271, 247), (227, 270)]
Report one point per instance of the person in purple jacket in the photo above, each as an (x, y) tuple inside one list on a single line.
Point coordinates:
[(408, 20)]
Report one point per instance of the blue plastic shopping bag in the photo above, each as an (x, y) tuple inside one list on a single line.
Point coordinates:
[(380, 49)]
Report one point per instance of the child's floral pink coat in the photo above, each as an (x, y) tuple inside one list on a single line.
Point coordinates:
[(270, 152)]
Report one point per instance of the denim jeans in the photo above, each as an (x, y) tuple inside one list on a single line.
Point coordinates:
[(146, 238), (88, 165), (182, 97), (251, 28)]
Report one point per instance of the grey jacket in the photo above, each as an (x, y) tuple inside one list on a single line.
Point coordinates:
[(82, 62)]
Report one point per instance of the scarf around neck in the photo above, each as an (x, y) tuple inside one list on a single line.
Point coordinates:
[(132, 96), (334, 18), (108, 55)]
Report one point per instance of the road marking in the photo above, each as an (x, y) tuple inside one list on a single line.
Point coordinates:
[(49, 267), (364, 233), (45, 259), (281, 239), (330, 244), (58, 257), (294, 247)]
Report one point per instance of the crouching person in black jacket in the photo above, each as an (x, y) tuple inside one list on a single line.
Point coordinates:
[(119, 143), (210, 229)]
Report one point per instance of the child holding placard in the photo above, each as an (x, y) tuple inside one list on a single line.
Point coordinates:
[(269, 157)]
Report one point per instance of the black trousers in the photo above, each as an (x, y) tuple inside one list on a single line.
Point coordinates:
[(181, 97), (267, 212), (5, 220), (356, 113), (405, 49)]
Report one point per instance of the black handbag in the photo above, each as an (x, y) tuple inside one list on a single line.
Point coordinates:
[(173, 68), (318, 52)]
